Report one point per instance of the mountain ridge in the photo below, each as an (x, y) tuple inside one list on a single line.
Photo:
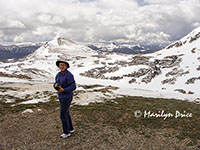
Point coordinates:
[(169, 72)]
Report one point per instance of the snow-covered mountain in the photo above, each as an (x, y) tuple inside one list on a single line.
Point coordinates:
[(172, 72), (40, 65), (126, 48), (17, 51)]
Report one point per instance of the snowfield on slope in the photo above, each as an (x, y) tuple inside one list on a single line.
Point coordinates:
[(169, 73)]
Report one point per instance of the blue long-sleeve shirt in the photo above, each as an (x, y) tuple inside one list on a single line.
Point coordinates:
[(67, 82)]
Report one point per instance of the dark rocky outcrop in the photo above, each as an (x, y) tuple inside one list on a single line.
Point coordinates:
[(192, 80), (152, 69)]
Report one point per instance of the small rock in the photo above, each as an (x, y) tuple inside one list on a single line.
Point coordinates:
[(39, 109), (181, 91), (27, 111), (190, 92), (197, 100)]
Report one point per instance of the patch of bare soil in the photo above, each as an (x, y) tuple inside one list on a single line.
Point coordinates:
[(100, 126)]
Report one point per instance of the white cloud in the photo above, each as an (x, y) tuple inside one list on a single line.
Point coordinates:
[(196, 24), (15, 24), (170, 2), (118, 4), (12, 24), (50, 19), (98, 20), (18, 39)]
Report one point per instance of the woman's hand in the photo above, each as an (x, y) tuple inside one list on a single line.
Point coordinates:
[(61, 90), (56, 85)]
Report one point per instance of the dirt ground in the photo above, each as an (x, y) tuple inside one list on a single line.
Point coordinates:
[(41, 130)]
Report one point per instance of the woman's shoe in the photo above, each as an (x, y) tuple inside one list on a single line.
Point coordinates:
[(65, 135), (72, 131)]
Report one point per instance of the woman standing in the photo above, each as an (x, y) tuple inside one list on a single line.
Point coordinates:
[(65, 85)]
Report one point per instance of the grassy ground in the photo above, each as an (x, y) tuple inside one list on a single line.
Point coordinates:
[(108, 125)]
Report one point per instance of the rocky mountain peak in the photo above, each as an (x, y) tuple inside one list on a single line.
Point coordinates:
[(64, 41), (61, 41)]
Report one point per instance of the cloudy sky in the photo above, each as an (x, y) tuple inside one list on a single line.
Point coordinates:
[(140, 21)]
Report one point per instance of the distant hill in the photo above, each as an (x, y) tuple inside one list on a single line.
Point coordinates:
[(16, 51)]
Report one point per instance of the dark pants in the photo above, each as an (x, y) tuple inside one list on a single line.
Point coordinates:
[(65, 115)]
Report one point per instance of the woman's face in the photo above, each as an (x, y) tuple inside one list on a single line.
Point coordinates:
[(62, 67)]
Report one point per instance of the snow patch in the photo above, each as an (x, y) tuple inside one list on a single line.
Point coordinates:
[(27, 111)]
